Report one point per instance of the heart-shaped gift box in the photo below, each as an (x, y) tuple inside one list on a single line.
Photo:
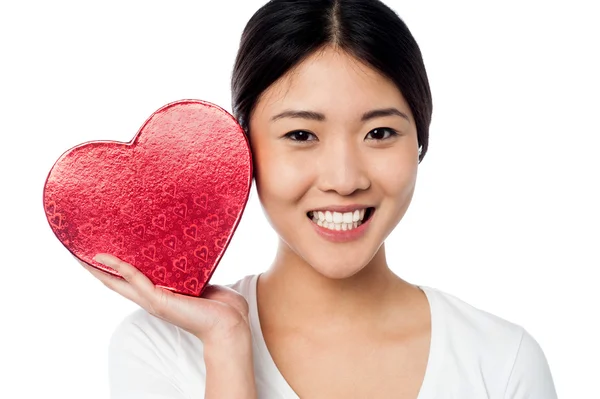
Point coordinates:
[(168, 202)]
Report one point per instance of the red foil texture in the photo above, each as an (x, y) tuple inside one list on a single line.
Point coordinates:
[(168, 202)]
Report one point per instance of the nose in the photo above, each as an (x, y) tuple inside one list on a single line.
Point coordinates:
[(342, 169)]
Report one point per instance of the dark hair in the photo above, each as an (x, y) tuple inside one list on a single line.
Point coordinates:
[(282, 33)]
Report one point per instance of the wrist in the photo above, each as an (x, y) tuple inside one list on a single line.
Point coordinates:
[(233, 344), (221, 339)]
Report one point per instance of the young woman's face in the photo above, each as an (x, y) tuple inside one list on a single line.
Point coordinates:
[(334, 141)]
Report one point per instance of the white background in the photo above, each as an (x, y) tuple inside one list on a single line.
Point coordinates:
[(505, 215)]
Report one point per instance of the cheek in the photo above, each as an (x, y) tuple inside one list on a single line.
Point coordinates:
[(395, 176), (281, 178)]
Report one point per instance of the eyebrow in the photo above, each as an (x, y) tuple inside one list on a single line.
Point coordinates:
[(317, 116)]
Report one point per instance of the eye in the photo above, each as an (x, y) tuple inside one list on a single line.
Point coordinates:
[(300, 135), (381, 133)]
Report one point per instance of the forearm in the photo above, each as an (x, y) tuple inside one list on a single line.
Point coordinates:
[(230, 370)]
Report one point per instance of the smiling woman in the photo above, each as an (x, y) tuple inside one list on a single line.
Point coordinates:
[(352, 157), (336, 103)]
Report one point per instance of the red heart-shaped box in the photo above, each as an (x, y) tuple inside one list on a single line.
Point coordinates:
[(167, 202)]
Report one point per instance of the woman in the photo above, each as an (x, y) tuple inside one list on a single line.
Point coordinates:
[(335, 99)]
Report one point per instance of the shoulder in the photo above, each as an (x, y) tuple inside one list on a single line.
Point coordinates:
[(464, 320), (503, 355), (530, 376), (148, 354)]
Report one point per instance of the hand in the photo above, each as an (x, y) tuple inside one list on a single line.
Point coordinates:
[(220, 314)]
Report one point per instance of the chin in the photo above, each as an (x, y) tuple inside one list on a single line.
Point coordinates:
[(337, 273), (340, 268), (338, 261)]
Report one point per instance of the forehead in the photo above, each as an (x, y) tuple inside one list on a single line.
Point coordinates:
[(333, 82)]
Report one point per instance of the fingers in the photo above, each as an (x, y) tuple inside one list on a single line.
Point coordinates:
[(196, 315), (115, 283), (139, 288), (135, 284)]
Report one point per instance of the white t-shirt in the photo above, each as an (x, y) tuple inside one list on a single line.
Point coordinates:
[(473, 355)]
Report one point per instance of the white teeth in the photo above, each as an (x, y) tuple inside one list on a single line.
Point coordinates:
[(338, 221), (347, 217), (337, 217)]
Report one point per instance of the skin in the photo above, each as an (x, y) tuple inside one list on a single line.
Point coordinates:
[(361, 308)]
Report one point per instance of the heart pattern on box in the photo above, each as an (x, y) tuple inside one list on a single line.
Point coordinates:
[(167, 202)]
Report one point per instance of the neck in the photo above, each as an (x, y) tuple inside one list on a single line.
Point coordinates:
[(293, 295)]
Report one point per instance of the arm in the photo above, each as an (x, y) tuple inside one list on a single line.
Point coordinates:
[(230, 369), (530, 377)]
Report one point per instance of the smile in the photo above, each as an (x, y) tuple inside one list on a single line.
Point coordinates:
[(340, 221)]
